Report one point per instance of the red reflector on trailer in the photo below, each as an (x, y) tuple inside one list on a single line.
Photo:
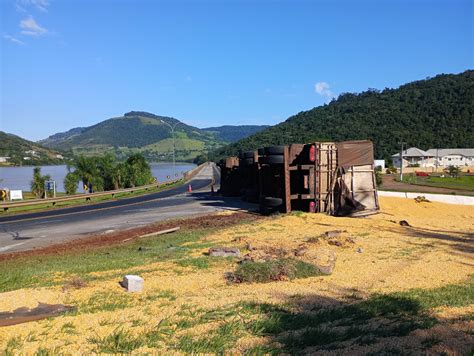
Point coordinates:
[(312, 153)]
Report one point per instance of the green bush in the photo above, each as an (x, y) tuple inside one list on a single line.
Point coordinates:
[(378, 176), (70, 183), (38, 182), (105, 173)]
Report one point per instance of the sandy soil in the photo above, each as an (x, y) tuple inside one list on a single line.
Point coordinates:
[(374, 255)]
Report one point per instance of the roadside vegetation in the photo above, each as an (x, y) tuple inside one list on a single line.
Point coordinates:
[(38, 183), (459, 182), (91, 200), (106, 173), (394, 289)]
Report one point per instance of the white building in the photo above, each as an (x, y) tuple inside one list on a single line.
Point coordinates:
[(379, 163), (441, 157), (458, 157), (4, 159), (413, 157), (32, 153)]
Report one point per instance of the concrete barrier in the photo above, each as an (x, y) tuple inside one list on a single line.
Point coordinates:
[(442, 198), (193, 172)]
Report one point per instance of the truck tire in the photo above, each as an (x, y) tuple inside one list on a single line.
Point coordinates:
[(247, 161), (271, 160), (274, 159), (274, 150), (271, 202)]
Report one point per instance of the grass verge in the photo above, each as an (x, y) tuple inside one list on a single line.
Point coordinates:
[(463, 182), (40, 271)]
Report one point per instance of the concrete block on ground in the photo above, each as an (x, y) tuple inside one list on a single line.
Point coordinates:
[(132, 283), (224, 252)]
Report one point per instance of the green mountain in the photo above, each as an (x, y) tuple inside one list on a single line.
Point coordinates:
[(27, 153), (229, 133), (149, 134), (436, 112), (136, 131)]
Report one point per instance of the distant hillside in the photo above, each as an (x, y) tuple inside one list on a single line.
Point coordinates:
[(62, 136), (24, 152), (436, 112), (139, 131), (136, 131), (230, 134)]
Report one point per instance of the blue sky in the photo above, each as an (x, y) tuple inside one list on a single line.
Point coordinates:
[(75, 63)]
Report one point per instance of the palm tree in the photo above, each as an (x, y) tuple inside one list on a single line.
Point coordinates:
[(70, 182), (87, 170), (139, 170), (37, 184)]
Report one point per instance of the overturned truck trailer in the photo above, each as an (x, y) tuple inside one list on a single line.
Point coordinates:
[(335, 178)]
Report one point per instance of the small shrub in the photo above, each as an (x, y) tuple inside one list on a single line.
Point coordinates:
[(273, 270), (378, 176)]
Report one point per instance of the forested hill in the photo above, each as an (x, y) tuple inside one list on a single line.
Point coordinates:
[(229, 133), (436, 112), (147, 133), (24, 152)]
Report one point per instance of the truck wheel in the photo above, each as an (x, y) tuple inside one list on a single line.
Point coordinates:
[(247, 161), (274, 150), (271, 160), (275, 159), (271, 202)]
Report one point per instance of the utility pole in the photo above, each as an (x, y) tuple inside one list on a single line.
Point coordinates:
[(172, 127), (401, 161), (436, 162)]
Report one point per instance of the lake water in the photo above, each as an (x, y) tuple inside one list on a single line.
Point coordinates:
[(20, 177)]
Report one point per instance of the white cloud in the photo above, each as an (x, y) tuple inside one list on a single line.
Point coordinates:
[(41, 5), (19, 8), (31, 28), (323, 89), (13, 39)]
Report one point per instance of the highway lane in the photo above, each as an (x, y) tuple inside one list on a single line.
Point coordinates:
[(28, 231), (195, 183)]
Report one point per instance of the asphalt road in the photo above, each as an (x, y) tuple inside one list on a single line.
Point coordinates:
[(33, 230)]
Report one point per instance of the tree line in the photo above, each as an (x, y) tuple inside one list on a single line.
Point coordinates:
[(99, 174), (433, 113)]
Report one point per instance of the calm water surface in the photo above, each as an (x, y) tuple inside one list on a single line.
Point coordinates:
[(20, 177)]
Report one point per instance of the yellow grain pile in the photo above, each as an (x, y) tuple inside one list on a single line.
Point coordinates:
[(374, 255)]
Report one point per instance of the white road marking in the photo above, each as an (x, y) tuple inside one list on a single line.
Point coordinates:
[(3, 249)]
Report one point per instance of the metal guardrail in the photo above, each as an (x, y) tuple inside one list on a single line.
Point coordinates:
[(15, 204)]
